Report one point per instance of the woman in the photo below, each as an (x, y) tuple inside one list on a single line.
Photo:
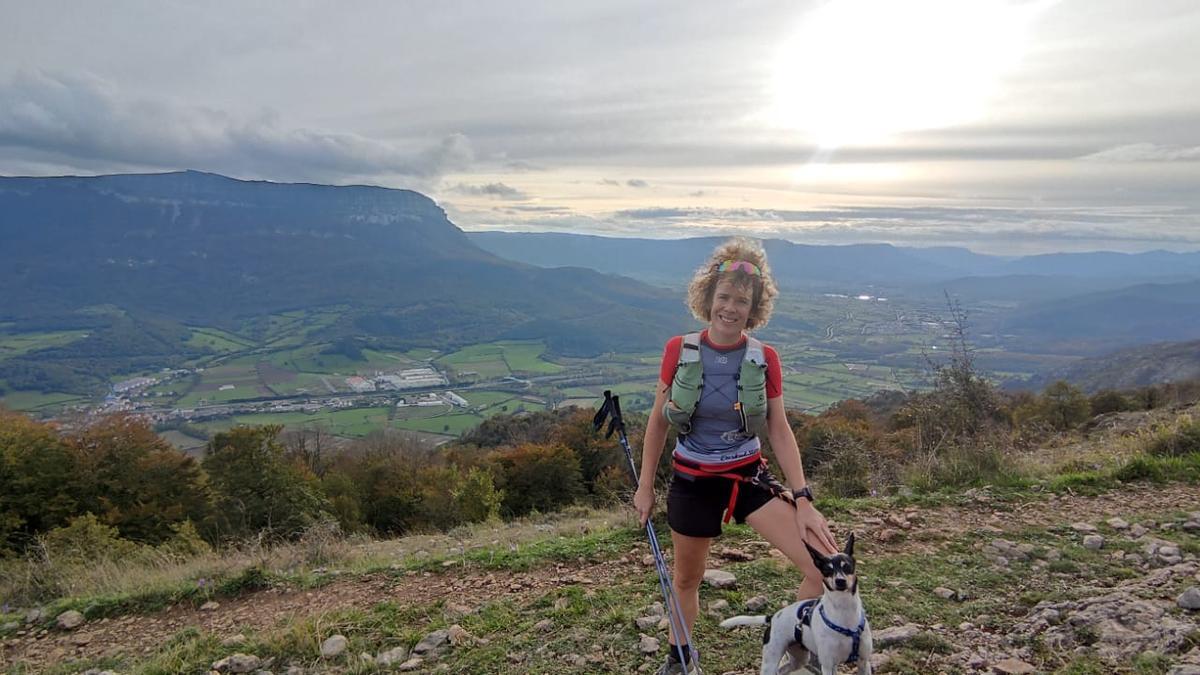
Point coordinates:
[(719, 424)]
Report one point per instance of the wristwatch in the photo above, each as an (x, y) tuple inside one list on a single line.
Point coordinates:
[(805, 492)]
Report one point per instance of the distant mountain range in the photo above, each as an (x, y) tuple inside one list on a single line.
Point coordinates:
[(203, 248), (672, 261), (1129, 368)]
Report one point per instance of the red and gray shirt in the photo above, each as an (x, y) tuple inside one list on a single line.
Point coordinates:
[(716, 437)]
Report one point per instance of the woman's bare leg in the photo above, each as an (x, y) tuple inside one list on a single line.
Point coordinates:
[(775, 521), (691, 554)]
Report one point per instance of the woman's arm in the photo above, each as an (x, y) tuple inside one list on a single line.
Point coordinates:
[(812, 524), (652, 449)]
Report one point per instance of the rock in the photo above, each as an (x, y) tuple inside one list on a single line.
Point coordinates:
[(69, 620), (234, 640), (1053, 554), (1013, 667), (1136, 530), (648, 645), (1083, 527), (546, 625), (735, 554), (1189, 599), (411, 664), (944, 593), (457, 611), (1093, 542), (647, 622), (1117, 523), (648, 560), (35, 615), (81, 639), (367, 658), (457, 635), (756, 604), (392, 656), (294, 670), (561, 604), (431, 642), (720, 579), (334, 646), (1184, 669), (895, 635), (718, 606), (237, 663), (887, 535), (210, 606)]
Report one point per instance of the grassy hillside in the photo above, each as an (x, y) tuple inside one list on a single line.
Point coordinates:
[(971, 575)]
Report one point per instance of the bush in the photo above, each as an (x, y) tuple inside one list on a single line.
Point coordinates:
[(1175, 440), (538, 477), (85, 541), (1109, 401), (846, 471), (1060, 407)]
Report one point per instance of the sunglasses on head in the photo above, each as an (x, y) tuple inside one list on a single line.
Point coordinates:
[(747, 267)]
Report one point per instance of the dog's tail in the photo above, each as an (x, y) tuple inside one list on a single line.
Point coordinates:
[(744, 621)]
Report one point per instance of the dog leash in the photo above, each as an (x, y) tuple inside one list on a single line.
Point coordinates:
[(612, 408)]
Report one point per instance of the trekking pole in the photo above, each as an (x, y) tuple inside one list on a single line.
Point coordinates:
[(612, 407)]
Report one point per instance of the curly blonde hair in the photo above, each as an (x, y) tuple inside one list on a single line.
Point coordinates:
[(763, 290)]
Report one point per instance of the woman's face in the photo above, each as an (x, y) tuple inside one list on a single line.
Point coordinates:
[(731, 307)]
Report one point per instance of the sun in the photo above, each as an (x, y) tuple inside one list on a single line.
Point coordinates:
[(861, 71)]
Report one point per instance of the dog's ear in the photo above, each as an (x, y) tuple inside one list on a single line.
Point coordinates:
[(850, 545), (817, 556)]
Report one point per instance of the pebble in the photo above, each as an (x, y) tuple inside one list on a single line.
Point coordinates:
[(334, 646), (1136, 530), (1083, 527), (895, 635), (210, 606), (1189, 599), (392, 656), (411, 664), (756, 604), (69, 620), (720, 579), (648, 645), (718, 606), (1013, 667), (944, 593), (1093, 542), (1117, 523), (431, 642)]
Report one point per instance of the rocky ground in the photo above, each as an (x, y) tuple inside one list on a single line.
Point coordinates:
[(1033, 583)]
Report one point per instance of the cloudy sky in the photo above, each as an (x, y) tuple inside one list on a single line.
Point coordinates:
[(1007, 127)]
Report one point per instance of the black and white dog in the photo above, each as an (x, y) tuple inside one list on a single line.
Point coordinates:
[(833, 627)]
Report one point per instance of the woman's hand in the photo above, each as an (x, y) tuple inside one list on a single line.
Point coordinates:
[(643, 501), (813, 527)]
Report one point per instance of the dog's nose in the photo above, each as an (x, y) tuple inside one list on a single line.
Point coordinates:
[(841, 584)]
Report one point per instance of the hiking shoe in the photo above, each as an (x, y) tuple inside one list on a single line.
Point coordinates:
[(672, 667)]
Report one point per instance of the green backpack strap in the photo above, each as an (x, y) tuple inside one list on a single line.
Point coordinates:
[(686, 386), (752, 388)]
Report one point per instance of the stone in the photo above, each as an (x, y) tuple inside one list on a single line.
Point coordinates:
[(1191, 525), (1189, 599), (887, 535), (647, 622), (944, 593), (457, 635), (718, 606), (1117, 523), (367, 658), (391, 656), (238, 663), (1083, 527), (546, 625), (234, 640), (411, 664), (456, 610), (648, 645), (1053, 554), (894, 635), (1013, 667), (333, 646), (756, 604), (1093, 542), (294, 670), (210, 606), (81, 639), (431, 642), (1136, 530), (35, 615), (561, 604), (720, 579), (735, 554), (69, 620)]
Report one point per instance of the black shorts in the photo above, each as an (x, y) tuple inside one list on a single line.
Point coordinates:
[(696, 506)]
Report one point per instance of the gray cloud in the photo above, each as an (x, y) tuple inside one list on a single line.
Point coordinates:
[(1145, 152), (496, 190), (84, 118), (637, 183)]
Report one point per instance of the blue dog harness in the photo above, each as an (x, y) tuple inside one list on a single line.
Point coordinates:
[(804, 614)]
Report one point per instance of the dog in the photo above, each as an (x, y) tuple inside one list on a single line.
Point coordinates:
[(833, 627)]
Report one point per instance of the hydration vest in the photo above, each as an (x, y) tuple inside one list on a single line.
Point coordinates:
[(689, 380)]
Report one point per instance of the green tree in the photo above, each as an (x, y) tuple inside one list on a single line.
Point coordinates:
[(538, 477), (135, 481), (37, 480), (256, 488)]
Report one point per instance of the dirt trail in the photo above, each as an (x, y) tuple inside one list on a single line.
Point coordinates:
[(269, 609)]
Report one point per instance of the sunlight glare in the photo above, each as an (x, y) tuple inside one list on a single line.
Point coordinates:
[(860, 71)]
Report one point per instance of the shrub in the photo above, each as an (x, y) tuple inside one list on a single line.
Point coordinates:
[(1109, 401), (1175, 440), (84, 541), (538, 477)]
